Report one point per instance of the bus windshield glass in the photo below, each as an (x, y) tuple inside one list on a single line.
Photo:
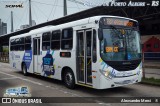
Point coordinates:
[(120, 44)]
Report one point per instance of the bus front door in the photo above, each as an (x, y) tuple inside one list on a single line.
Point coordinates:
[(84, 57), (36, 55)]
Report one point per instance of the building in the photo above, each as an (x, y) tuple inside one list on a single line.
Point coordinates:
[(33, 22), (3, 28), (27, 25), (17, 30), (151, 43), (151, 47), (24, 26)]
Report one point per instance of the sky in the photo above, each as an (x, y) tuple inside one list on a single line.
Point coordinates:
[(42, 10)]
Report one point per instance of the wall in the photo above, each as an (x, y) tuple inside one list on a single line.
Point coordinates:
[(152, 44)]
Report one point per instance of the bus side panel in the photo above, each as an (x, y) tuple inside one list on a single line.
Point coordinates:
[(54, 69), (95, 66), (28, 60), (16, 59)]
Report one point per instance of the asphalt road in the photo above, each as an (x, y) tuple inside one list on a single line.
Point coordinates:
[(45, 87)]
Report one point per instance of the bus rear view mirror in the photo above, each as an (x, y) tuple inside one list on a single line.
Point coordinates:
[(100, 34)]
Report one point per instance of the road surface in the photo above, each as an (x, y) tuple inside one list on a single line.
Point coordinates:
[(45, 87)]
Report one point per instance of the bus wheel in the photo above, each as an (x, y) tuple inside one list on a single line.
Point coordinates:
[(69, 79), (24, 69)]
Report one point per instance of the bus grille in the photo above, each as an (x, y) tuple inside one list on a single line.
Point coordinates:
[(125, 67)]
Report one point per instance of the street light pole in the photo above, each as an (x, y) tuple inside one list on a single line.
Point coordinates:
[(65, 8), (30, 14)]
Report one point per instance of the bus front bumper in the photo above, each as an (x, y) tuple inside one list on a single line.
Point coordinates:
[(116, 82)]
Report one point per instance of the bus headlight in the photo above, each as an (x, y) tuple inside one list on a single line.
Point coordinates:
[(106, 73)]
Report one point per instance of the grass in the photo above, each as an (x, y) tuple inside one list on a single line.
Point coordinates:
[(151, 81)]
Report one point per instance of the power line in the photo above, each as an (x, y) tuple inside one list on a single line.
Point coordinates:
[(26, 15), (18, 19), (41, 11), (6, 20), (52, 9), (53, 4), (79, 2), (35, 14), (55, 9), (25, 11), (78, 7)]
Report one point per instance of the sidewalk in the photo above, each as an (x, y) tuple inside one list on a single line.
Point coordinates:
[(152, 73), (152, 68)]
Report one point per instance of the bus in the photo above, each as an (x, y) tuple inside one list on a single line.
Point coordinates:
[(17, 92), (99, 52)]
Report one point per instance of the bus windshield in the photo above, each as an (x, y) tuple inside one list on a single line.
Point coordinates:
[(120, 44)]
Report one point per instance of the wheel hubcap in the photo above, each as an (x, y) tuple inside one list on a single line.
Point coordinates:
[(24, 69), (68, 78)]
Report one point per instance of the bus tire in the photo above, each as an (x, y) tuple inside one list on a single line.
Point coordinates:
[(24, 69), (69, 79)]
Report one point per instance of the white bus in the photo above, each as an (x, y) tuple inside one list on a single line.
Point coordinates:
[(98, 52)]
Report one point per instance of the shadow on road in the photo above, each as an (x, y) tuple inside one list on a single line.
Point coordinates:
[(82, 89)]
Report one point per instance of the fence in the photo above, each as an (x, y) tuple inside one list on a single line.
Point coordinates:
[(151, 55), (4, 57), (151, 63)]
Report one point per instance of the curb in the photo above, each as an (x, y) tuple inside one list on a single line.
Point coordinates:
[(146, 83), (149, 83)]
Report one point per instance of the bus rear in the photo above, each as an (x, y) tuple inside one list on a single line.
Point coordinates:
[(119, 53)]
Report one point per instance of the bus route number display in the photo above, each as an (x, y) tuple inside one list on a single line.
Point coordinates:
[(111, 49), (120, 22)]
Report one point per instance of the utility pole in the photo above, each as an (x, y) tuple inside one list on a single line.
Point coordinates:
[(30, 14), (65, 8), (12, 21)]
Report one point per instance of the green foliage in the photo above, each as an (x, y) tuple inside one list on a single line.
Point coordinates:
[(5, 49), (151, 81)]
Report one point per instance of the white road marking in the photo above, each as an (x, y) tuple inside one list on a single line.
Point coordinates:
[(8, 78), (8, 74), (106, 104), (37, 83), (34, 82), (24, 79)]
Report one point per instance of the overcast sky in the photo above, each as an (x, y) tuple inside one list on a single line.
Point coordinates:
[(42, 10)]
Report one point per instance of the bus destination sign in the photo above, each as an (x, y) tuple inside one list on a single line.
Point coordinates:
[(119, 22)]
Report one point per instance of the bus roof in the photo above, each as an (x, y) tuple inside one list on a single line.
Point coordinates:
[(17, 36), (70, 24)]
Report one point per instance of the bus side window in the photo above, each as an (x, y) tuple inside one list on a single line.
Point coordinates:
[(94, 51), (28, 43), (67, 39), (55, 40), (46, 41), (15, 45), (12, 45), (19, 44), (11, 48)]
